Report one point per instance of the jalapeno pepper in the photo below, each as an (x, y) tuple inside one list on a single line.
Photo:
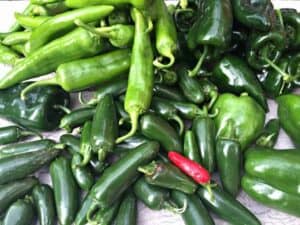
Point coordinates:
[(43, 199), (127, 214), (168, 176), (156, 128), (190, 147), (12, 134), (291, 20), (85, 72), (8, 56), (269, 134), (288, 113), (141, 76), (233, 74), (171, 93)]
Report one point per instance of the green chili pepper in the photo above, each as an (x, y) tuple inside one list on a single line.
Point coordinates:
[(212, 29), (81, 216), (269, 134), (204, 129), (133, 141), (76, 118), (156, 128), (190, 86), (141, 76), (166, 35), (259, 15), (11, 192), (168, 93), (106, 216), (20, 49), (195, 213), (167, 111), (17, 38), (20, 213), (190, 147), (12, 134), (142, 4), (168, 176), (288, 114), (187, 110), (229, 160), (119, 16), (291, 20), (85, 144), (104, 130), (44, 203), (30, 22), (65, 190), (230, 108), (85, 72), (43, 2), (226, 207), (8, 56), (127, 214), (74, 45), (233, 74), (270, 196), (62, 23), (156, 198)]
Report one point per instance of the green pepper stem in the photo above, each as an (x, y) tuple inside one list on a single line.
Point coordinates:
[(91, 213), (198, 66), (157, 62), (106, 32), (149, 169), (134, 116), (32, 86), (102, 153), (214, 96), (86, 153), (59, 146), (31, 133), (183, 4), (286, 77), (63, 108), (180, 123), (170, 206), (209, 187), (265, 141)]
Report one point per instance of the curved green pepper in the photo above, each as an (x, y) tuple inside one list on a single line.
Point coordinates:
[(127, 214), (8, 56), (291, 20), (12, 134), (269, 134), (288, 113), (65, 190), (43, 199), (156, 128), (232, 74), (166, 175), (190, 147), (242, 111), (226, 207), (20, 213), (167, 92), (271, 196)]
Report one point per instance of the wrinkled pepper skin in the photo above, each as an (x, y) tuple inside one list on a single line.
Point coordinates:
[(288, 113), (291, 20), (65, 189), (37, 111), (270, 196), (11, 192), (279, 169), (254, 14), (158, 129), (195, 213), (20, 213), (232, 74), (248, 117), (127, 214), (226, 207), (43, 199), (269, 135)]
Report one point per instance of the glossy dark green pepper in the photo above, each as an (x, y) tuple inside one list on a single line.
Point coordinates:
[(11, 192), (242, 110), (288, 114), (232, 74), (190, 147), (104, 129), (195, 213), (38, 111), (20, 213), (166, 175), (65, 190), (269, 134), (156, 128), (12, 134), (226, 207), (43, 199), (291, 20), (127, 214), (167, 92)]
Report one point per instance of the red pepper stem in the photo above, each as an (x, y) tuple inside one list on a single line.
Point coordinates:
[(198, 66), (170, 206), (148, 169)]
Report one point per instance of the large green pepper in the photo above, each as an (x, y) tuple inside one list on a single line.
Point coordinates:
[(248, 117), (38, 110), (232, 74), (259, 15), (288, 113), (270, 196), (212, 29), (291, 20)]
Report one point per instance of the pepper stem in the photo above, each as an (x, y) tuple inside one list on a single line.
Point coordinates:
[(86, 153), (134, 116), (169, 205), (103, 31), (157, 62), (91, 213), (59, 146), (183, 4), (208, 187), (31, 133), (265, 141), (149, 169), (62, 108), (214, 96), (32, 86), (286, 77), (198, 66), (180, 123), (102, 154)]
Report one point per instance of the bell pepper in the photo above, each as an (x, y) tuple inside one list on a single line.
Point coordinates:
[(269, 134), (288, 113), (248, 117), (291, 20), (259, 15), (38, 111), (212, 30), (232, 74)]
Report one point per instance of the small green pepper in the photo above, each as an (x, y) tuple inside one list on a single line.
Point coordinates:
[(190, 147), (269, 134), (12, 134), (127, 214), (17, 38), (167, 92), (30, 22)]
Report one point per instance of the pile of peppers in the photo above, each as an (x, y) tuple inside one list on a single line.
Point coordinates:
[(177, 93)]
